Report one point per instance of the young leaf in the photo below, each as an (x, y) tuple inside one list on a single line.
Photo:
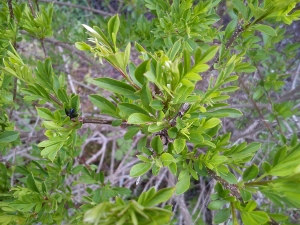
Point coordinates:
[(167, 159), (140, 169), (157, 145), (179, 145), (183, 184), (211, 123)]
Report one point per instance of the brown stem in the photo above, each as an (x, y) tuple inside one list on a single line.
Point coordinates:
[(31, 8), (233, 188), (44, 49), (11, 11), (98, 121)]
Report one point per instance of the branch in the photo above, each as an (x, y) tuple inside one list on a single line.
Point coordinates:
[(100, 12), (99, 121), (11, 11), (233, 188)]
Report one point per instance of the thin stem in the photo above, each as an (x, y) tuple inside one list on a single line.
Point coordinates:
[(269, 99), (31, 8), (128, 79), (257, 108), (44, 49), (56, 100), (99, 121)]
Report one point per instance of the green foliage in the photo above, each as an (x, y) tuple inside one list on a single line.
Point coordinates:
[(159, 98)]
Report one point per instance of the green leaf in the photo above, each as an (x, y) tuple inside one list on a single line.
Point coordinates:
[(250, 173), (45, 113), (288, 166), (128, 109), (225, 112), (51, 151), (105, 106), (211, 123), (229, 89), (30, 183), (246, 195), (139, 118), (280, 155), (218, 204), (157, 105), (114, 86), (144, 158), (173, 168), (198, 68), (8, 136), (162, 195), (140, 169), (266, 29), (157, 145), (184, 183), (139, 72), (260, 217), (167, 159), (230, 28), (82, 46), (278, 217), (146, 98), (179, 145), (175, 49), (209, 54), (229, 177), (222, 215), (113, 27), (172, 132), (131, 132)]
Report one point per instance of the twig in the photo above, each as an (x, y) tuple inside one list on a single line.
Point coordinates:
[(233, 188), (97, 121), (44, 49), (31, 8), (100, 12), (56, 100), (269, 99), (256, 107)]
